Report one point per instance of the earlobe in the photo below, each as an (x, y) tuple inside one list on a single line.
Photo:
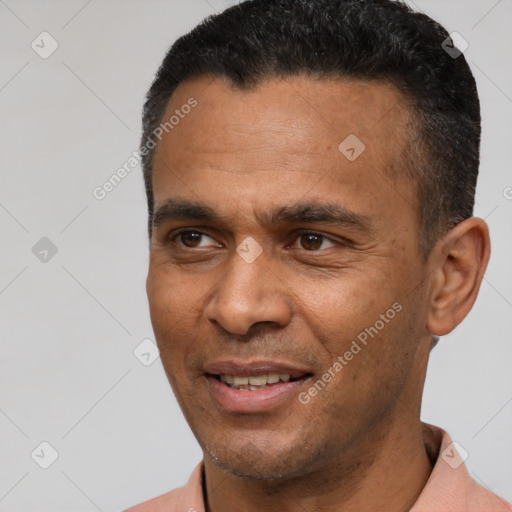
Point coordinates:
[(459, 262)]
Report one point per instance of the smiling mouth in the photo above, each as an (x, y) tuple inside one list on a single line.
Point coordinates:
[(256, 382)]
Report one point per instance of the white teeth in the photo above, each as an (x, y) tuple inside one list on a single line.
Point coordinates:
[(272, 378), (259, 380), (254, 382)]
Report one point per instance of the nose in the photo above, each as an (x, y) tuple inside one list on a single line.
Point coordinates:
[(249, 294)]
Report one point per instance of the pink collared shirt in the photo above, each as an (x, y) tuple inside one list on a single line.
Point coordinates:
[(449, 488)]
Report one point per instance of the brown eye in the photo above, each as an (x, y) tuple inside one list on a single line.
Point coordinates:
[(190, 238), (313, 241)]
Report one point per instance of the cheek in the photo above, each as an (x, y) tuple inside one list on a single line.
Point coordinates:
[(345, 318), (168, 291), (171, 306), (171, 310), (340, 308)]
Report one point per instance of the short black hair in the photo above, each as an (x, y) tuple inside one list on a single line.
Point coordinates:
[(381, 40)]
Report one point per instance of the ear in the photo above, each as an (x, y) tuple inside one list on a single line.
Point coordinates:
[(459, 261)]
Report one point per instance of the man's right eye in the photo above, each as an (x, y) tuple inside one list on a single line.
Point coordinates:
[(191, 238)]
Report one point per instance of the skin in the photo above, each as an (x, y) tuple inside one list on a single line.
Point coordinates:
[(357, 445)]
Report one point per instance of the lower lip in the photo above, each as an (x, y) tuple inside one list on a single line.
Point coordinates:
[(241, 400)]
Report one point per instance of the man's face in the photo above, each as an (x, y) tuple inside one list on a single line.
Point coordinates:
[(259, 161)]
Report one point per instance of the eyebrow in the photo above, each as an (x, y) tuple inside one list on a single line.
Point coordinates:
[(302, 212)]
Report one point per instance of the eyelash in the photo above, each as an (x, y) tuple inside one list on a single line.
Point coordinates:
[(297, 235)]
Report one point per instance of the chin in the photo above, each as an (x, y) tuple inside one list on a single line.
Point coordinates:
[(247, 471), (254, 463)]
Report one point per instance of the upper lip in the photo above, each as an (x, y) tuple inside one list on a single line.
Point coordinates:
[(248, 368)]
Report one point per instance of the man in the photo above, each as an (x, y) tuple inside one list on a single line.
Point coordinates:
[(310, 169)]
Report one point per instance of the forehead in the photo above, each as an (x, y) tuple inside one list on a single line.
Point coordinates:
[(321, 109), (294, 134)]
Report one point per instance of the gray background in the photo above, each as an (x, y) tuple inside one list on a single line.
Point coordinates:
[(69, 325)]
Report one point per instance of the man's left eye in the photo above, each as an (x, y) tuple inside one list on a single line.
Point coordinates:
[(313, 241)]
